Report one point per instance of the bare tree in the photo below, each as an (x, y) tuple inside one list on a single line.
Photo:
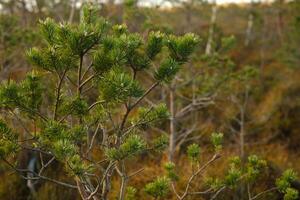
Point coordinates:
[(250, 22), (214, 10)]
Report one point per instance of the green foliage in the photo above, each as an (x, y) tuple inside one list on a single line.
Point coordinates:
[(284, 182), (53, 130), (254, 167), (167, 70), (51, 59), (160, 143), (128, 49), (130, 193), (89, 14), (120, 29), (31, 90), (80, 39), (77, 167), (64, 41), (133, 145), (78, 133), (139, 61), (129, 43), (214, 183), (63, 148), (217, 139), (118, 86), (182, 47), (77, 107), (48, 29), (27, 95), (155, 44), (233, 176), (61, 141), (9, 95), (291, 194), (103, 61), (235, 161), (8, 140), (148, 116), (130, 3), (193, 152), (234, 173), (158, 188), (171, 174)]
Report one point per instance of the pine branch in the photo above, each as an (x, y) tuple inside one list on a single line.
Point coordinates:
[(79, 76), (58, 93), (144, 95)]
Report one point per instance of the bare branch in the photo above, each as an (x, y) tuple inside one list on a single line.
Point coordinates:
[(263, 193)]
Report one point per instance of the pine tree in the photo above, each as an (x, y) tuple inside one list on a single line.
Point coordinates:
[(63, 118)]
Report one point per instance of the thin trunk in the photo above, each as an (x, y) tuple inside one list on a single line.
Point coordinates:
[(242, 149), (123, 182), (243, 108), (24, 13), (30, 183), (81, 189), (208, 49), (249, 29), (123, 187), (242, 134), (249, 25), (106, 186), (280, 20), (172, 122), (72, 12)]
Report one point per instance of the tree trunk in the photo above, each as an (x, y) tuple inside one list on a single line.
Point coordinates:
[(72, 12), (123, 188), (280, 20), (242, 135), (249, 26), (172, 143), (249, 29), (208, 49)]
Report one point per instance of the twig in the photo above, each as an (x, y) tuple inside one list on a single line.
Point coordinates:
[(87, 70), (135, 173), (263, 193), (217, 193), (58, 93), (20, 171), (215, 157), (95, 103), (93, 138), (145, 94)]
